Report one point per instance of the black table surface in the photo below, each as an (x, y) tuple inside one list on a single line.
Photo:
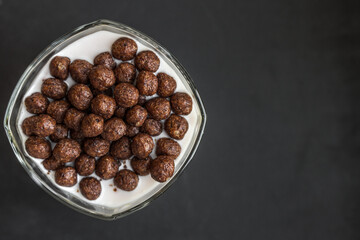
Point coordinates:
[(280, 156)]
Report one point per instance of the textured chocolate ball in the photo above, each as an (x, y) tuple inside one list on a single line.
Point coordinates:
[(80, 96), (73, 118), (114, 129), (96, 147), (181, 103), (141, 100), (121, 148), (38, 147), (162, 168), (167, 85), (168, 146), (54, 88), (52, 164), (176, 126), (136, 116), (44, 125), (141, 166), (107, 92), (90, 188), (101, 77), (103, 105), (85, 165), (148, 61), (36, 103), (66, 176), (92, 125), (124, 49), (147, 83), (152, 127), (125, 72), (126, 95), (59, 67), (61, 132), (28, 125), (120, 112), (76, 135), (107, 167), (79, 71), (57, 110), (105, 59), (126, 180), (158, 108), (142, 145), (67, 150), (131, 131)]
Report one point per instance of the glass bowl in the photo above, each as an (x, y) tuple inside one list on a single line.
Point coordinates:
[(11, 121)]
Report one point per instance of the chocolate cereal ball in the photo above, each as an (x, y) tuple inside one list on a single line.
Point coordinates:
[(162, 168), (44, 125), (147, 83), (167, 85), (85, 165), (126, 180), (148, 61), (131, 131), (176, 126), (114, 129), (54, 88), (141, 166), (28, 125), (59, 67), (152, 127), (67, 150), (101, 77), (107, 92), (76, 135), (124, 49), (73, 118), (90, 188), (167, 146), (51, 163), (142, 145), (126, 95), (106, 167), (92, 125), (79, 71), (142, 100), (80, 96), (121, 148), (36, 103), (125, 72), (158, 108), (57, 110), (103, 105), (66, 176), (181, 103), (38, 147), (136, 116), (61, 131), (105, 59), (120, 112), (96, 147)]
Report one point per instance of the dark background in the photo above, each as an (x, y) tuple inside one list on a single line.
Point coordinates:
[(280, 157)]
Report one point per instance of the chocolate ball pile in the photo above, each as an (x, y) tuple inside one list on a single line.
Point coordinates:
[(112, 113)]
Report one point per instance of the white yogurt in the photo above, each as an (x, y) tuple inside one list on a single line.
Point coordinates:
[(87, 48)]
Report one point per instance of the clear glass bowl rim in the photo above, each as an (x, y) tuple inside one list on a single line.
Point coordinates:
[(15, 145)]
